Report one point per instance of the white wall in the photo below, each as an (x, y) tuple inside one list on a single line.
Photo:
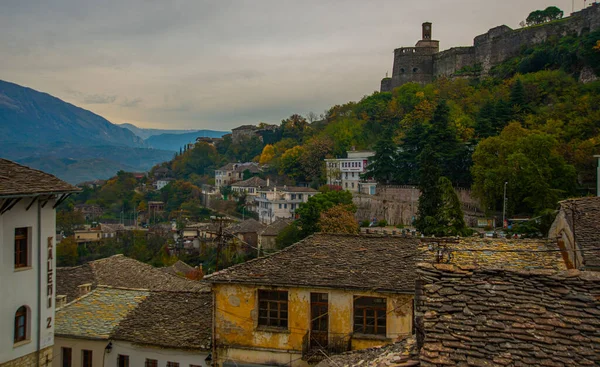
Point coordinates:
[(20, 287), (77, 345), (138, 354)]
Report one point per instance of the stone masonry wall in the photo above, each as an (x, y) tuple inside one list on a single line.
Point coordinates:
[(495, 317), (399, 204), (30, 360)]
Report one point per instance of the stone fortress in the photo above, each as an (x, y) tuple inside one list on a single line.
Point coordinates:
[(424, 62)]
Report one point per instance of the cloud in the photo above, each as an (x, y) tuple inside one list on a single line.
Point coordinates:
[(99, 99), (128, 103)]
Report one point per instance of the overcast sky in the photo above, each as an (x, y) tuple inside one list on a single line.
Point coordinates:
[(219, 64)]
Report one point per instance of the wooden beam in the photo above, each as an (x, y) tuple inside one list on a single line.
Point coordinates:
[(30, 204), (5, 205), (46, 201), (61, 200), (12, 204)]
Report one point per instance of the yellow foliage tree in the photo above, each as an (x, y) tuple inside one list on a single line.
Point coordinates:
[(338, 219), (597, 47), (267, 155)]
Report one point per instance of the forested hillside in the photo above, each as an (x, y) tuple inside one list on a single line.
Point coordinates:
[(531, 123)]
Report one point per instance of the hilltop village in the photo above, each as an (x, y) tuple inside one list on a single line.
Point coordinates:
[(450, 219)]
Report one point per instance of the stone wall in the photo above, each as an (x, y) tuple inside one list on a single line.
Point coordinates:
[(448, 62), (30, 360), (495, 317), (399, 204)]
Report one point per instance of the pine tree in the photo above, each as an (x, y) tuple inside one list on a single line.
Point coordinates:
[(383, 164), (517, 100), (430, 201), (451, 217)]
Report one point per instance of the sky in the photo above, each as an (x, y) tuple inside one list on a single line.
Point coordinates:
[(220, 64)]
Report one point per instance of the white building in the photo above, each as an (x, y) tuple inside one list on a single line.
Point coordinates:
[(123, 327), (28, 199), (346, 172), (274, 203), (160, 183)]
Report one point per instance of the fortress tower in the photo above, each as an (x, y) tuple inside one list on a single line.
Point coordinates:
[(413, 64)]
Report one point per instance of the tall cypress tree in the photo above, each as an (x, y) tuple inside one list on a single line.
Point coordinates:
[(430, 201), (383, 165)]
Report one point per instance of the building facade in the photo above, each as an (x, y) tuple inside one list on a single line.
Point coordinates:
[(234, 172), (27, 263), (346, 172), (274, 203), (314, 295)]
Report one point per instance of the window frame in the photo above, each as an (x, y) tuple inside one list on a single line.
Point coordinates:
[(370, 308), (275, 301), (84, 353), (172, 364), (122, 360), (22, 313), (69, 361), (151, 362), (22, 248)]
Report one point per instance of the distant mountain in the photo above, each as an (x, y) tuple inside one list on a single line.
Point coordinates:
[(76, 145), (173, 142), (29, 116), (146, 133)]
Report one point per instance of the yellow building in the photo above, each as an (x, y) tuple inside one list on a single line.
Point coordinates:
[(325, 295)]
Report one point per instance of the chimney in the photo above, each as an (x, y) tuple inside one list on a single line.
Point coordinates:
[(84, 289), (268, 182), (61, 301)]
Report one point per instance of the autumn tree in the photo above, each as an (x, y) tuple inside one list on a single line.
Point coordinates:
[(310, 212), (338, 219), (267, 154), (66, 252)]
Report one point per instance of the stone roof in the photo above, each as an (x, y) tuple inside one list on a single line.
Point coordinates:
[(111, 228), (179, 268), (276, 227), (498, 253), (499, 317), (245, 127), (400, 354), (181, 320), (333, 261), (247, 226), (251, 182), (17, 180), (120, 271), (96, 314), (583, 218)]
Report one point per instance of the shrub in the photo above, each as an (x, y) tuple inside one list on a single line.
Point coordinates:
[(382, 223)]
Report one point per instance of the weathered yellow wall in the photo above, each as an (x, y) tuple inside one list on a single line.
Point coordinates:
[(237, 332)]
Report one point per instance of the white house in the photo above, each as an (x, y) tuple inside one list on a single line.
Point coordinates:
[(160, 183), (346, 172), (123, 327), (274, 203), (234, 172), (28, 199)]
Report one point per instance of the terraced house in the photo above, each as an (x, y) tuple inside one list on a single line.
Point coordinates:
[(28, 199), (327, 293)]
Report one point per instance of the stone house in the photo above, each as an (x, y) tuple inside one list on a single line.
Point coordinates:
[(115, 327), (267, 238), (234, 172), (576, 230), (328, 292), (247, 232), (28, 199)]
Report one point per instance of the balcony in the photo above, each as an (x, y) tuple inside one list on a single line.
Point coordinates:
[(315, 348)]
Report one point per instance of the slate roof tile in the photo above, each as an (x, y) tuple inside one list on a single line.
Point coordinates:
[(251, 182), (583, 216), (247, 226), (16, 179), (276, 227), (334, 261)]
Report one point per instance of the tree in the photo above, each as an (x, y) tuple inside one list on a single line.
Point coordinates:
[(288, 236), (267, 154), (430, 201), (542, 16), (310, 212), (312, 160), (290, 163), (338, 219), (383, 166), (66, 252), (451, 218), (68, 220)]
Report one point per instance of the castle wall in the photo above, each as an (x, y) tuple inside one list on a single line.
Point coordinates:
[(413, 64), (450, 61)]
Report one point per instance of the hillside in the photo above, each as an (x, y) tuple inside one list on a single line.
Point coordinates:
[(173, 142), (45, 132), (146, 133), (29, 116)]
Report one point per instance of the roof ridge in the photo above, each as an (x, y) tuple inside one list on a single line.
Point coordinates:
[(78, 299), (260, 258)]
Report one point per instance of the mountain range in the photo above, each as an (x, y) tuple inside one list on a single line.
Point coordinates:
[(77, 145)]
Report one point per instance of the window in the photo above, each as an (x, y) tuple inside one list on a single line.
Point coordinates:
[(352, 184), (123, 361), (279, 206), (66, 355), (273, 308), (151, 363), (284, 206), (86, 358), (299, 196), (21, 324), (415, 70), (369, 315), (21, 248), (172, 364)]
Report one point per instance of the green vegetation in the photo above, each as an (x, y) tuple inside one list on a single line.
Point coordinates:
[(543, 16)]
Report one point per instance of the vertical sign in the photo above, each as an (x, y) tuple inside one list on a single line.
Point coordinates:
[(50, 279)]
